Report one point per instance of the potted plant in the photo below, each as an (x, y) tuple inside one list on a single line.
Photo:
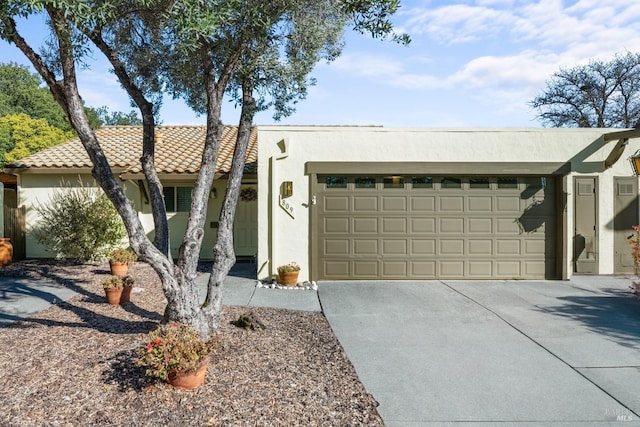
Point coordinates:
[(176, 353), (127, 286), (119, 261), (288, 274), (113, 289)]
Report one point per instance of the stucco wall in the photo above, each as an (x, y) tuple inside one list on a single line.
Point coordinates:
[(283, 235), (37, 189)]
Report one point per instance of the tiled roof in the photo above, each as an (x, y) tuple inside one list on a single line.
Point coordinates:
[(178, 150)]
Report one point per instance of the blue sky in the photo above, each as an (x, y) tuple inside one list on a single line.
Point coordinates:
[(474, 63)]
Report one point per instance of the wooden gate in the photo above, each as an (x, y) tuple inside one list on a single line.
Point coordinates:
[(14, 228)]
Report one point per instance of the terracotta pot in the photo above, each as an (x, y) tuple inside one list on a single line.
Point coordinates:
[(126, 294), (113, 295), (6, 251), (118, 268), (189, 380), (289, 278)]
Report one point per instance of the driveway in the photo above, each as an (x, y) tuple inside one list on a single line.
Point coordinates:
[(493, 352)]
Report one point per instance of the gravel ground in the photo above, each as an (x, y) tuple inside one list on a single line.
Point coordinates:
[(73, 364)]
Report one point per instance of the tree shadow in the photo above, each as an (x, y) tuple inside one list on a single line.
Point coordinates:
[(616, 314), (124, 372)]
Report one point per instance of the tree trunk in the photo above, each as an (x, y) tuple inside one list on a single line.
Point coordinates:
[(223, 252)]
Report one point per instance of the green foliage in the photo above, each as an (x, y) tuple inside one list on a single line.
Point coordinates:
[(79, 223), (21, 135), (21, 92), (122, 255), (112, 282), (173, 348), (117, 118)]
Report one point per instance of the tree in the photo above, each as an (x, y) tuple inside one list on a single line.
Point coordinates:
[(600, 94), (21, 135), (21, 92), (205, 48), (117, 118)]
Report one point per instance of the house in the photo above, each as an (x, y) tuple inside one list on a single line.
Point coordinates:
[(384, 203), (178, 153), (369, 202)]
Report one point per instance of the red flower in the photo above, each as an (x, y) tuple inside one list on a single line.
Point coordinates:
[(158, 341), (149, 346)]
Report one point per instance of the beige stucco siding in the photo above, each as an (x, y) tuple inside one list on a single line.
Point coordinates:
[(284, 235)]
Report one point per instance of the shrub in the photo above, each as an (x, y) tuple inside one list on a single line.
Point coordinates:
[(79, 223)]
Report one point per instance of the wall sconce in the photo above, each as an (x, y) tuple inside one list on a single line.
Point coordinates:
[(635, 163), (213, 194), (287, 189)]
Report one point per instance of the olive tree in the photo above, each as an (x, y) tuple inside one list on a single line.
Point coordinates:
[(259, 52)]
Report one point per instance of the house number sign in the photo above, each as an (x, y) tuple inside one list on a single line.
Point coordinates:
[(287, 205)]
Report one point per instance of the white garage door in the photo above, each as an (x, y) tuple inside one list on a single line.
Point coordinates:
[(429, 227)]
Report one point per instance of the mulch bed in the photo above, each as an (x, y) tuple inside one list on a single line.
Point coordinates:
[(73, 364)]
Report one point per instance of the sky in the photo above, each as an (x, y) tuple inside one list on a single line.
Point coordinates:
[(473, 63)]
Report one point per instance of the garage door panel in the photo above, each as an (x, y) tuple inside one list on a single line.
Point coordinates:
[(508, 204), (336, 203), (365, 204), (423, 203), (451, 225), (480, 225), (365, 225), (482, 228), (506, 247), (365, 246), (480, 247), (334, 247), (423, 269), (422, 247), (365, 269), (451, 269), (394, 204), (451, 247), (480, 269), (394, 225), (336, 269), (451, 203), (336, 225), (394, 247), (480, 204), (393, 269), (423, 225)]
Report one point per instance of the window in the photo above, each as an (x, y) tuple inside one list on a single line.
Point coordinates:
[(422, 182), (177, 199), (504, 183), (394, 182), (475, 183), (336, 182), (365, 182), (451, 183)]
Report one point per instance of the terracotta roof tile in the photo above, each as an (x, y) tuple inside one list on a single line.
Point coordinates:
[(178, 150)]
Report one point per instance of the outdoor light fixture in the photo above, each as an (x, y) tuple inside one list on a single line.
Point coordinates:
[(635, 163), (287, 189)]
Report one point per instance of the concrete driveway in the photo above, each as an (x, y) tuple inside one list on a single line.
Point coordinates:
[(493, 352)]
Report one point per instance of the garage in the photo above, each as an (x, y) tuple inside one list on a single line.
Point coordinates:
[(369, 226)]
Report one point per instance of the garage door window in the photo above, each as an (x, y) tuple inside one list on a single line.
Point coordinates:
[(422, 182), (365, 182), (478, 183), (507, 183), (394, 182), (450, 183), (336, 182)]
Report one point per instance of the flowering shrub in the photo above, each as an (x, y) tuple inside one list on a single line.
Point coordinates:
[(288, 268), (172, 348)]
